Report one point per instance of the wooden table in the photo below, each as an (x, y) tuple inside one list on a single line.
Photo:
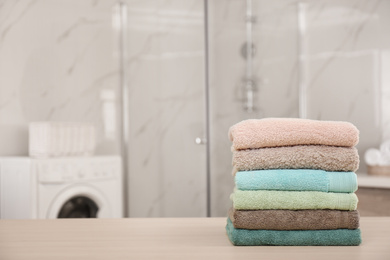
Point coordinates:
[(169, 238)]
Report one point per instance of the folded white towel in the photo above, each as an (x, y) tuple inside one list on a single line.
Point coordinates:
[(385, 152), (372, 156)]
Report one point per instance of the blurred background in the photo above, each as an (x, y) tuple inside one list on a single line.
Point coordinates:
[(162, 81)]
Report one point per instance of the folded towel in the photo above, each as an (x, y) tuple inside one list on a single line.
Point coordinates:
[(279, 219), (322, 157), (273, 132), (270, 199), (297, 180), (335, 237)]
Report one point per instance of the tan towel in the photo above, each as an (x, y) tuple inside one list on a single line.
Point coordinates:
[(294, 219), (319, 157), (274, 132)]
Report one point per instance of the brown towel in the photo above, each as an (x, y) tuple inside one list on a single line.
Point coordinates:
[(319, 157), (294, 219), (274, 132)]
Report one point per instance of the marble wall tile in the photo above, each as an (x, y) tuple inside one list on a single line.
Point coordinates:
[(347, 42), (351, 97), (347, 25), (56, 57), (167, 170)]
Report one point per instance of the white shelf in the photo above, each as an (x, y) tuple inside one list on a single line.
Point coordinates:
[(372, 181)]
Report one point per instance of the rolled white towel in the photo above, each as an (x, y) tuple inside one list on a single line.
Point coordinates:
[(373, 157), (385, 147), (385, 151)]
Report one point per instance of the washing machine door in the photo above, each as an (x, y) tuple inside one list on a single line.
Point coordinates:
[(79, 201)]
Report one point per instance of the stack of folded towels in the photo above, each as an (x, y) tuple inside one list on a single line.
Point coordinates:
[(295, 183)]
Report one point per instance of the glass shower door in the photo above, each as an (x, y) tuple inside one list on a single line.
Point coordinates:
[(165, 77), (274, 74)]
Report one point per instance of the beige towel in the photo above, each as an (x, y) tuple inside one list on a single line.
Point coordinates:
[(319, 157), (274, 132)]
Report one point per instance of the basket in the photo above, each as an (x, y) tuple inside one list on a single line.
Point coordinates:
[(58, 139), (378, 170)]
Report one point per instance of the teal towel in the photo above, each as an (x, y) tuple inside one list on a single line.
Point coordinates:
[(335, 237), (297, 180), (293, 200)]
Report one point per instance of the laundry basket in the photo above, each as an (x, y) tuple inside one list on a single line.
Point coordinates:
[(56, 139)]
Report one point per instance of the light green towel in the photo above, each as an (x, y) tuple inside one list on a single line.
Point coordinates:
[(296, 180), (293, 200), (335, 237)]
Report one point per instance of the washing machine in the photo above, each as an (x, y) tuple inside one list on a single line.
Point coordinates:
[(69, 187)]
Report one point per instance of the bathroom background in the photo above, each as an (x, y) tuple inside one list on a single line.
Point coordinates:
[(71, 60)]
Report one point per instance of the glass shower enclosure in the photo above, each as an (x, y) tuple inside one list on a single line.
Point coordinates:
[(191, 69)]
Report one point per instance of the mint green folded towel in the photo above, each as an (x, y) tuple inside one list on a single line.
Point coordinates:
[(297, 180), (293, 200), (335, 237)]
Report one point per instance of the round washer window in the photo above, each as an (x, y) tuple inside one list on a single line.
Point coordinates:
[(79, 207)]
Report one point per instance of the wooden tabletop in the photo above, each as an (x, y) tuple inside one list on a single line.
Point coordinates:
[(165, 238)]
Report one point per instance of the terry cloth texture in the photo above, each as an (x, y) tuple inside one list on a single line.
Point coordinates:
[(322, 157), (297, 180), (336, 237), (294, 219), (274, 132), (294, 200)]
